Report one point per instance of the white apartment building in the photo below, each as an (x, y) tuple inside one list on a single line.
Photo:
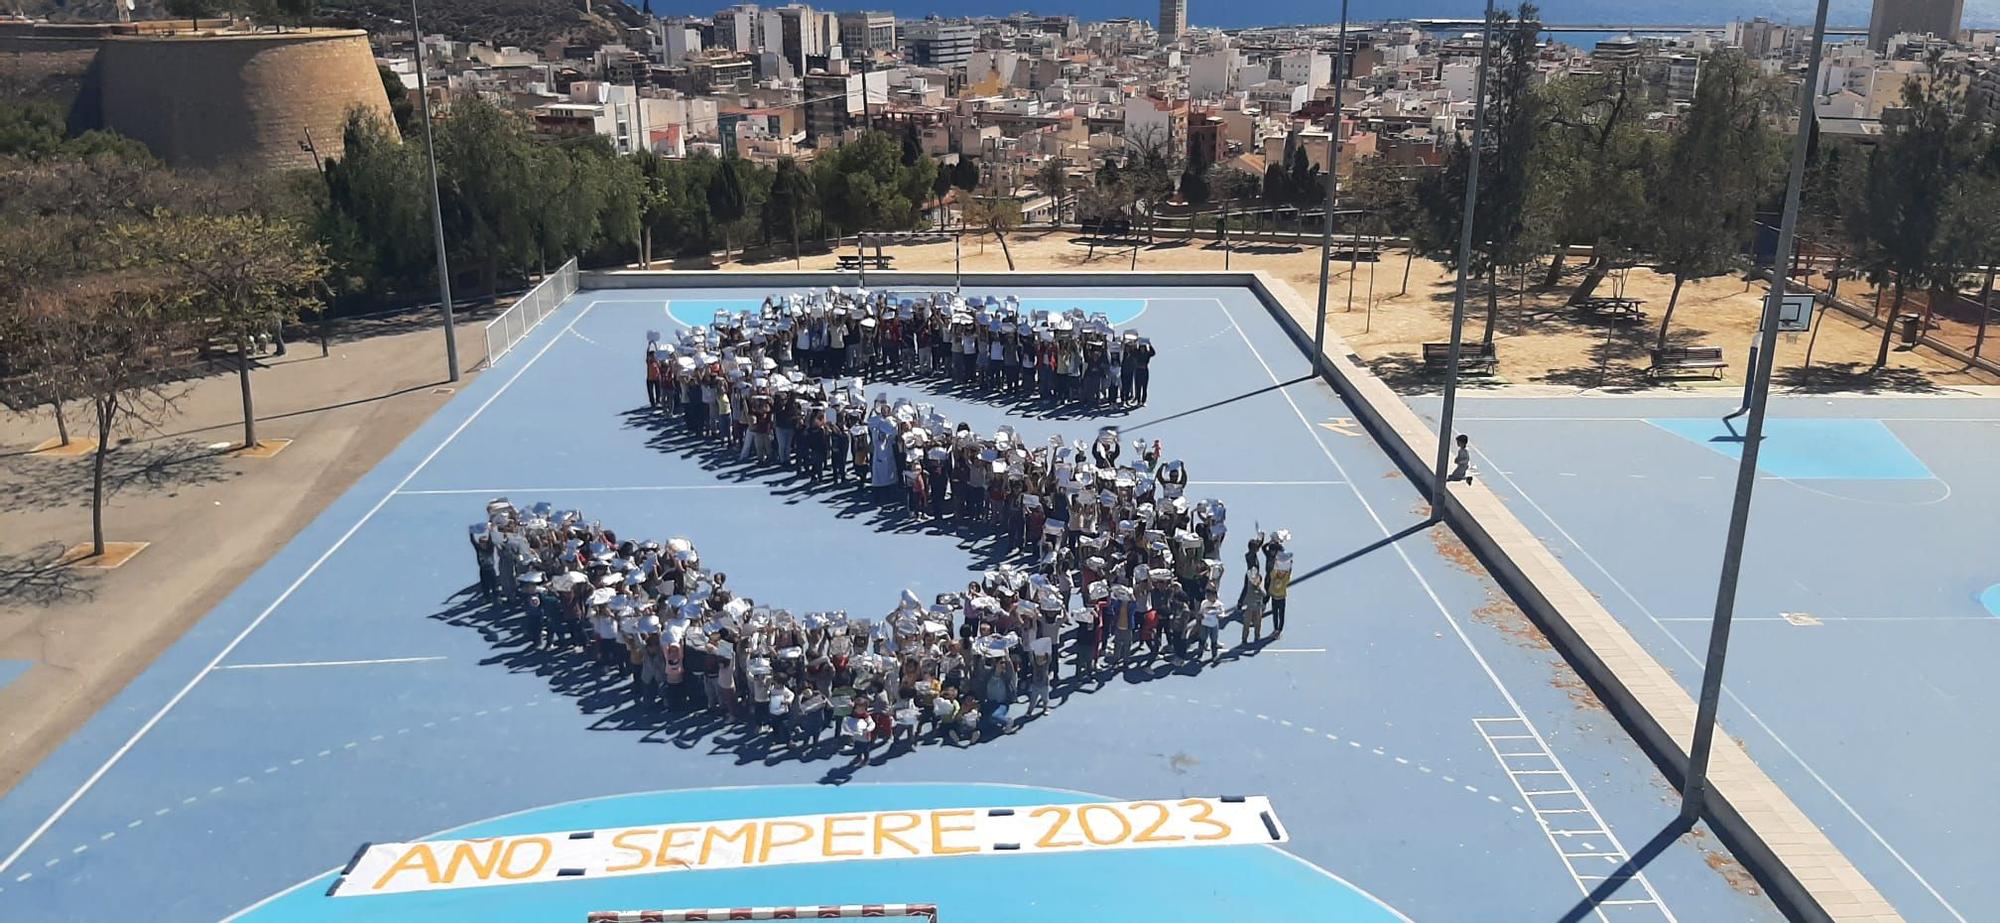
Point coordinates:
[(1215, 73), (1305, 66)]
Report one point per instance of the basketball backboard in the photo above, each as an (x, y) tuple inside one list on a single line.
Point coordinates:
[(1795, 313)]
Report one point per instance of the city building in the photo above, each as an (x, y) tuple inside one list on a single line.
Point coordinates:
[(1616, 52), (1151, 121), (1758, 37), (1206, 138), (867, 33), (1215, 73), (1922, 17), (1173, 20), (834, 102), (934, 42), (1305, 66), (678, 38), (796, 32), (737, 28), (1682, 75)]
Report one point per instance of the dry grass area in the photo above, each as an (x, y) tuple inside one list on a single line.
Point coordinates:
[(1541, 341)]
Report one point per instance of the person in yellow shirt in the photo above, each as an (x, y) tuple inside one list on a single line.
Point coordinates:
[(1278, 585)]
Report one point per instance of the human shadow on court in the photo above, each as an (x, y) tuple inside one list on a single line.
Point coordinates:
[(606, 696)]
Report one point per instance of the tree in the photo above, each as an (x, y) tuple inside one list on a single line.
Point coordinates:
[(491, 190), (965, 173), (244, 274), (1900, 221), (725, 198), (1053, 179), (1590, 167), (1702, 207), (112, 337), (999, 214), (401, 106), (1503, 233), (57, 216), (941, 187), (864, 186), (374, 224), (1304, 187), (791, 197), (1194, 186), (1386, 196)]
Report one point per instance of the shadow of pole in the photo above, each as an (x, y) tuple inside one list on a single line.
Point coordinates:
[(1626, 870), (1221, 403), (1376, 545)]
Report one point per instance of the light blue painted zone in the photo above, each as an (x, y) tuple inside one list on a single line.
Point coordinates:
[(695, 312), (1818, 449), (1112, 886), (1991, 600), (1121, 311), (700, 312), (11, 670)]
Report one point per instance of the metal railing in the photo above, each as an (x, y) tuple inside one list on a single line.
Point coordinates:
[(539, 302)]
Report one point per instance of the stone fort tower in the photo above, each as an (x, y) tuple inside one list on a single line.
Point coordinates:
[(213, 100)]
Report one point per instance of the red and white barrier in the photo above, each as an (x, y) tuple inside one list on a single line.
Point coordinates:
[(819, 912)]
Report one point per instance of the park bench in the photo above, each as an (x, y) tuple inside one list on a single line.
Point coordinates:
[(850, 263), (1355, 254), (1676, 359), (1473, 358)]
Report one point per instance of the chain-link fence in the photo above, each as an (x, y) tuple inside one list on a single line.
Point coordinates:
[(513, 324)]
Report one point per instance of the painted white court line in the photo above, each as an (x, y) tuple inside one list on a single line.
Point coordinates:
[(1382, 526), (144, 729), (1564, 419), (1838, 798), (494, 491), (1294, 650), (1839, 618), (325, 663), (1266, 483)]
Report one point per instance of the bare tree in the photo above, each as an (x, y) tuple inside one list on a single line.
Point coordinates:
[(113, 339), (1000, 214), (246, 274)]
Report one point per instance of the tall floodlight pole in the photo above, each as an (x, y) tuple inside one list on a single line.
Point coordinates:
[(1464, 266), (1694, 788), (437, 210), (1332, 194)]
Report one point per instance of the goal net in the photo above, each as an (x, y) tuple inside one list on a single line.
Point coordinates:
[(926, 912)]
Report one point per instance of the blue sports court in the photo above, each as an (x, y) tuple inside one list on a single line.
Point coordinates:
[(1429, 757), (1861, 662)]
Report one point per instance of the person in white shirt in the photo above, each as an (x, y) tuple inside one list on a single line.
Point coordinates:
[(782, 722), (1211, 626)]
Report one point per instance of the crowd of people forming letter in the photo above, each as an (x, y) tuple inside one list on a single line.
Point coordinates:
[(1109, 565)]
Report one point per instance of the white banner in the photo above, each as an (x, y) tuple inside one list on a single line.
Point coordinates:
[(394, 868)]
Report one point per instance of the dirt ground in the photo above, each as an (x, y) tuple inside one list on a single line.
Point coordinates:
[(1539, 339), (211, 518)]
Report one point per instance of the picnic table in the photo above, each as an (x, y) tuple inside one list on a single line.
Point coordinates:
[(851, 262), (1618, 309)]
